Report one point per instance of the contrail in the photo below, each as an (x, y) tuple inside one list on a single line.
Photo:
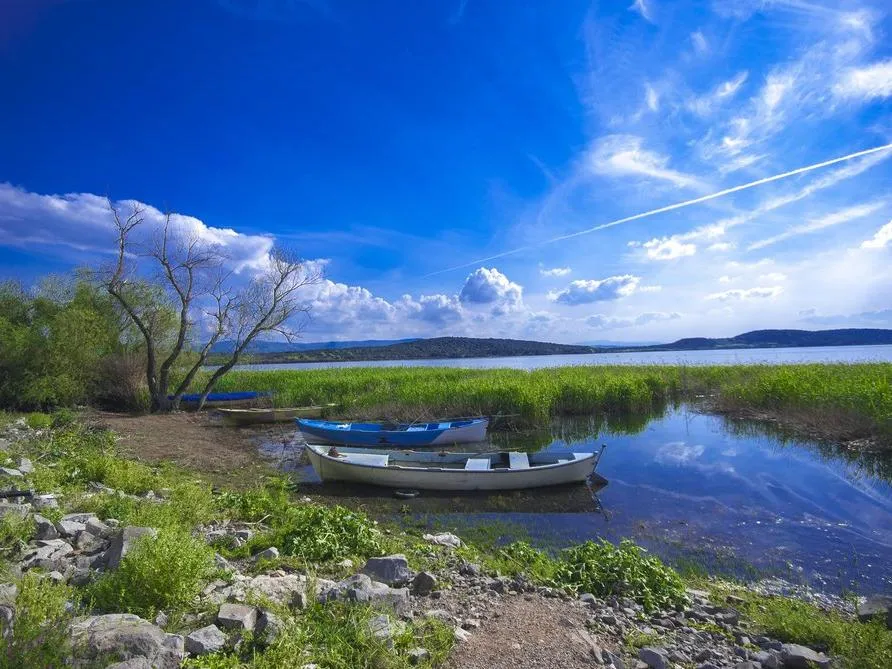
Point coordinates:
[(671, 207)]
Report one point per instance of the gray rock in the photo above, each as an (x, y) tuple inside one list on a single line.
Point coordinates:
[(271, 553), (205, 641), (879, 605), (384, 629), (360, 588), (611, 658), (69, 529), (391, 570), (461, 635), (802, 657), (48, 555), (443, 539), (243, 535), (767, 659), (98, 529), (470, 569), (588, 598), (655, 658), (237, 617), (12, 473), (707, 665), (440, 614), (20, 510), (678, 657), (82, 518), (8, 593), (269, 627), (423, 583), (123, 542), (132, 663), (746, 664), (88, 543), (26, 466), (221, 562), (279, 589), (48, 501), (418, 655), (124, 636), (44, 528)]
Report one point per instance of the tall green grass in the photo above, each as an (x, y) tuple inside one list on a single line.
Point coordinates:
[(857, 397)]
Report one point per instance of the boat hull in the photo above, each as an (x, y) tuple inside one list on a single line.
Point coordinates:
[(245, 417), (464, 434), (189, 402), (333, 469)]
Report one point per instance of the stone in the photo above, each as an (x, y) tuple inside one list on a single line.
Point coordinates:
[(384, 629), (125, 636), (588, 599), (222, 563), (802, 657), (132, 663), (440, 614), (746, 664), (271, 553), (707, 665), (269, 627), (243, 535), (878, 605), (346, 563), (12, 473), (47, 501), (205, 641), (461, 635), (20, 510), (279, 589), (88, 543), (69, 529), (360, 588), (123, 542), (418, 655), (390, 570), (678, 657), (44, 528), (443, 539), (98, 529), (423, 583), (655, 658), (47, 555), (470, 569), (237, 617), (26, 466), (161, 619), (611, 658)]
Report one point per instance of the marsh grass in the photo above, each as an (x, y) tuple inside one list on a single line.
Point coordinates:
[(862, 393)]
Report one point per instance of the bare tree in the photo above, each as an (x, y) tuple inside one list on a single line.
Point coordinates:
[(190, 280)]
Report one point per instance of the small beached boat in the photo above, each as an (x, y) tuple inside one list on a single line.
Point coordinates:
[(246, 398), (452, 471), (402, 435), (257, 416)]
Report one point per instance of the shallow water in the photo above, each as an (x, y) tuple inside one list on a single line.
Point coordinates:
[(692, 486)]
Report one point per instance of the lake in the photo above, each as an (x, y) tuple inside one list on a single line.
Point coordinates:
[(689, 486), (750, 356)]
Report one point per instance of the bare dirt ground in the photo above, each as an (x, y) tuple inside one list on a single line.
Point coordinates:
[(528, 631), (193, 441)]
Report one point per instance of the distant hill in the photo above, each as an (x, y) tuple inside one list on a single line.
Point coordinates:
[(468, 347)]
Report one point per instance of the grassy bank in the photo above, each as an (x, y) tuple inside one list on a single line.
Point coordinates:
[(837, 401)]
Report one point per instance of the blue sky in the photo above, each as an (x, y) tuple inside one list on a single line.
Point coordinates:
[(435, 156)]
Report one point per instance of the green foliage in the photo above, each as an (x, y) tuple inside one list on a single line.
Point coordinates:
[(39, 421), (15, 532), (39, 638), (270, 500), (318, 533), (166, 573), (856, 645), (520, 557), (603, 569)]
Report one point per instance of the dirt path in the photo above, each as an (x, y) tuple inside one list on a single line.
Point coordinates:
[(193, 441), (528, 631)]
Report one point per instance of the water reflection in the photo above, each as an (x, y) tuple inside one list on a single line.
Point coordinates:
[(689, 486)]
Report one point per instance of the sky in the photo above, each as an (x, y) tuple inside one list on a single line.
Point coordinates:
[(569, 172)]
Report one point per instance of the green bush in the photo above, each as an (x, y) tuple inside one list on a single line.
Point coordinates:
[(39, 421), (15, 532), (163, 573), (269, 502), (317, 533), (604, 569), (39, 638)]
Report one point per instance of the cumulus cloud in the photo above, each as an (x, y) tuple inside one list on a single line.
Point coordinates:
[(434, 309), (594, 290), (337, 304), (555, 271), (881, 239), (665, 248), (490, 286), (625, 155), (602, 322), (746, 294), (865, 83)]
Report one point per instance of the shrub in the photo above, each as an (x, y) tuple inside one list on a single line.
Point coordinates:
[(39, 637), (603, 569), (317, 533), (15, 532), (520, 557), (269, 502), (166, 573)]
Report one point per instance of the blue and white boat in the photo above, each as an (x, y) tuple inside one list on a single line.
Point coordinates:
[(233, 399), (402, 435)]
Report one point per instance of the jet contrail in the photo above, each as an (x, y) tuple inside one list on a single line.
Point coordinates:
[(671, 207)]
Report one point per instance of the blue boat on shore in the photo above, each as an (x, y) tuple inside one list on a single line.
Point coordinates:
[(400, 435), (234, 399)]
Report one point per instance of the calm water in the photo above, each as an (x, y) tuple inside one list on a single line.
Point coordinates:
[(751, 356), (695, 486)]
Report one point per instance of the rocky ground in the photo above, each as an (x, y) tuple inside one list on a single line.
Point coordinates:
[(497, 621)]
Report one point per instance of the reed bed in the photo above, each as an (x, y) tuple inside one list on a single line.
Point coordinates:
[(858, 395)]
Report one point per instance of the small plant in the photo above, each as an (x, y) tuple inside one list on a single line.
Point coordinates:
[(39, 637), (166, 572), (39, 421), (318, 533), (15, 532), (521, 558), (604, 569)]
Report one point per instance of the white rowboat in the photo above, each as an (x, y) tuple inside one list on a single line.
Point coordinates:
[(450, 471)]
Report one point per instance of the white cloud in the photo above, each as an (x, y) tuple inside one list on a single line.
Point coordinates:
[(719, 247), (864, 318), (666, 248), (836, 218), (434, 309), (651, 97), (709, 103), (679, 453), (642, 8), (625, 155), (555, 271), (865, 83), (588, 291), (881, 239), (490, 286), (701, 46), (602, 322), (746, 294), (773, 276)]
